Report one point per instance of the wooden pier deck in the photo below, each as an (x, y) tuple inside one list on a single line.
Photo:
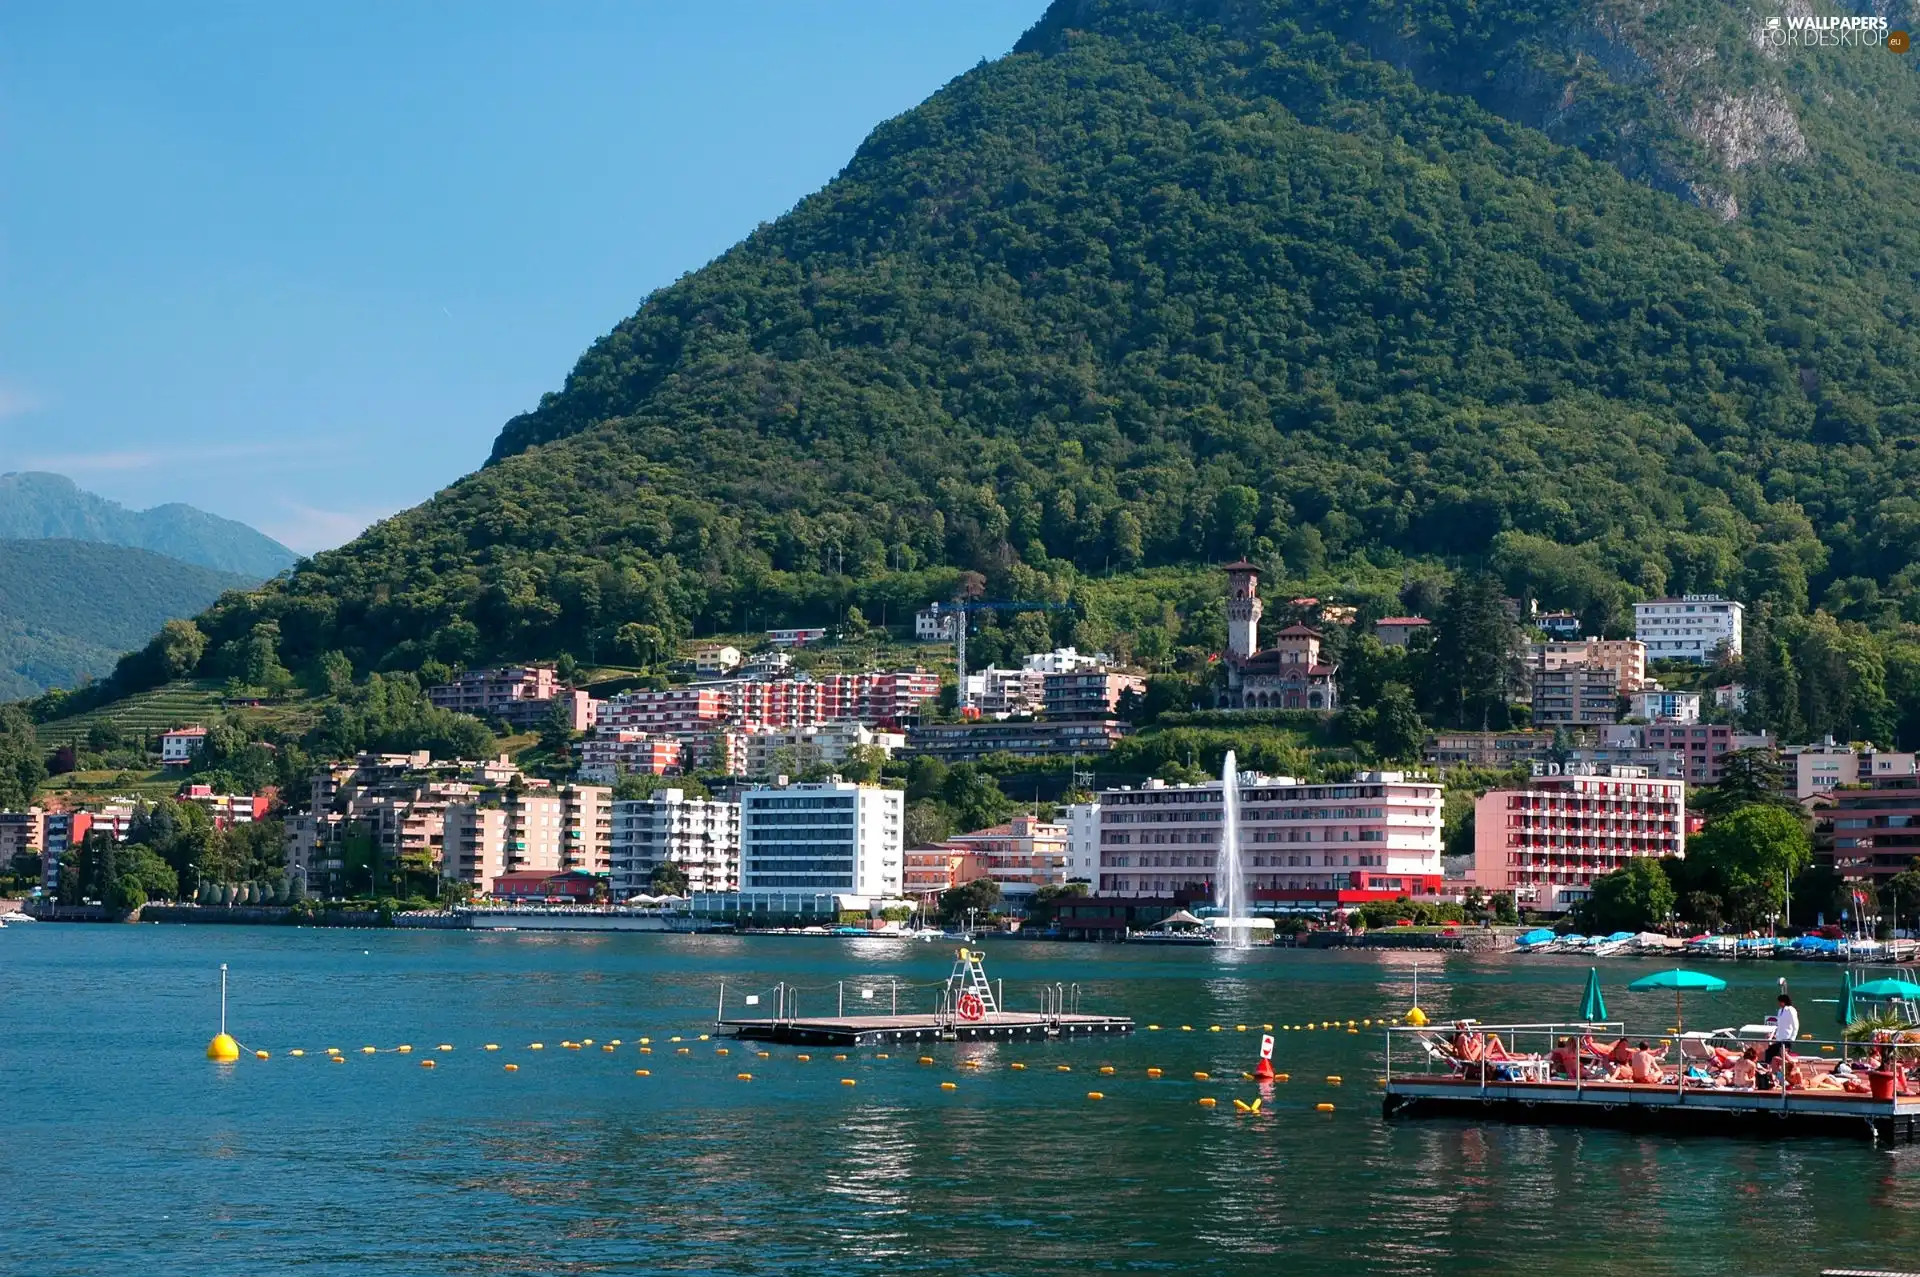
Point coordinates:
[(1665, 1108), (862, 1030)]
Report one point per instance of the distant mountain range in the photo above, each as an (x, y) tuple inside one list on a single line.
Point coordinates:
[(34, 506), (68, 608)]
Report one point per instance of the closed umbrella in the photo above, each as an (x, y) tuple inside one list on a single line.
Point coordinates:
[(1846, 1000), (1594, 1008), (1679, 980)]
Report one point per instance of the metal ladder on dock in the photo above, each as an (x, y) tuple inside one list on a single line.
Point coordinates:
[(968, 976)]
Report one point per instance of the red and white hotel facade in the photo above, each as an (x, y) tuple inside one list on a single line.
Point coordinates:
[(1546, 843), (1306, 847)]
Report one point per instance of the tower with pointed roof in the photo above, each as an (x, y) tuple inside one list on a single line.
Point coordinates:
[(1243, 610)]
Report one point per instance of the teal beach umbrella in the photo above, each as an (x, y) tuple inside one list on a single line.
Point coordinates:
[(1889, 990), (1594, 1008), (1679, 980)]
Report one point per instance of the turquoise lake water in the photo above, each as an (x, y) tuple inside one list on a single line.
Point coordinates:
[(125, 1150)]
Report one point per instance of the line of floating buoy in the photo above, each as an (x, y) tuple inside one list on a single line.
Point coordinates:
[(846, 1081), (1017, 1067), (511, 1068), (1333, 1079), (1153, 1072), (426, 1064), (744, 1077), (1207, 1101), (949, 1086), (1323, 1107), (1201, 1076), (1096, 1095), (643, 1072)]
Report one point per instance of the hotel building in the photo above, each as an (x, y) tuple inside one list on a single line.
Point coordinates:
[(828, 837), (699, 835), (1692, 628), (1021, 856), (1304, 846), (1546, 843)]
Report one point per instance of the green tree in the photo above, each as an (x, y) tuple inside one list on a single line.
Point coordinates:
[(1749, 857), (1751, 777), (668, 879), (1636, 897), (1474, 666), (1398, 732), (982, 895), (1505, 911), (126, 894)]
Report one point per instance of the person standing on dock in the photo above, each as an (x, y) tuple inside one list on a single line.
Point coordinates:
[(1786, 1028)]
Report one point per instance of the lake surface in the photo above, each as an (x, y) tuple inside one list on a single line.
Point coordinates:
[(125, 1150)]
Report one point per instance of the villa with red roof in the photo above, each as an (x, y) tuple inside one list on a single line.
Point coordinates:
[(1394, 631), (1288, 675)]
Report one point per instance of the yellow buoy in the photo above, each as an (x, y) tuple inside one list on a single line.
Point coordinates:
[(1246, 1077), (1106, 1068), (1283, 1077), (1018, 1068), (426, 1064), (803, 1058), (1153, 1072), (643, 1072), (1096, 1095), (333, 1050), (1350, 1024), (1239, 1028), (1213, 1028), (1323, 1108), (839, 1057), (296, 1051), (1063, 1068), (764, 1054), (1241, 1106), (511, 1068), (1826, 1048), (1186, 1028), (646, 1050), (445, 1047), (883, 1056), (1267, 1027), (1416, 1017), (926, 1059), (846, 1081), (1207, 1101), (703, 1037), (685, 1050), (615, 1042), (571, 1046), (531, 1046), (674, 1038), (718, 1050), (338, 1059), (586, 1041), (1154, 1027), (645, 1041), (491, 1046), (948, 1086), (744, 1077), (1333, 1079), (406, 1049), (1366, 1024), (1353, 1030), (965, 1064), (261, 1055), (368, 1050), (1200, 1076)]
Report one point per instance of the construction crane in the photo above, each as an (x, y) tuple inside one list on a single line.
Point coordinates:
[(961, 608)]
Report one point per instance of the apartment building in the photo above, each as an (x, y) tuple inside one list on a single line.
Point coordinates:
[(1825, 767), (699, 835), (611, 753), (1694, 627), (1576, 696), (771, 750), (528, 829), (1064, 660), (935, 623), (586, 828), (1089, 693), (1083, 842), (1303, 845), (1705, 746), (1547, 842), (523, 695), (798, 637), (21, 833), (999, 693), (1627, 658), (1875, 831), (1021, 856), (932, 870), (827, 837), (1498, 750), (227, 810), (1661, 706), (876, 699), (721, 659), (964, 742)]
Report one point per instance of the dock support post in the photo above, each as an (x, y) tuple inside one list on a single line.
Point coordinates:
[(840, 1005), (721, 1013), (893, 986)]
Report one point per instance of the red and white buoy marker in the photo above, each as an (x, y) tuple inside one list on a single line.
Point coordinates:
[(1263, 1071)]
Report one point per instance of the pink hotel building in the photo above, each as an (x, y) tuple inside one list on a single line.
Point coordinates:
[(1305, 846), (1548, 842)]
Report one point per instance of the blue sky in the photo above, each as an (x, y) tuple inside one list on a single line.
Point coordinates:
[(295, 264)]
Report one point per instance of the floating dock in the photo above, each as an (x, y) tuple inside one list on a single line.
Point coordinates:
[(863, 1030), (1418, 1085), (1664, 1108)]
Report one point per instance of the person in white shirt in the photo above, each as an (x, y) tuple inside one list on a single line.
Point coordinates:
[(1786, 1027)]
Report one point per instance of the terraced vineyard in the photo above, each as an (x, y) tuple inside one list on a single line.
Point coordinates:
[(181, 703)]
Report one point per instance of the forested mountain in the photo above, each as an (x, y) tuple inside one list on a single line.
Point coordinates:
[(36, 505), (69, 609), (1616, 300)]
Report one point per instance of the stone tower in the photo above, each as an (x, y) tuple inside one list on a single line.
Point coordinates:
[(1243, 610)]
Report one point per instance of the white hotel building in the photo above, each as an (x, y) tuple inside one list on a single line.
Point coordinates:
[(829, 837), (1691, 628), (1304, 846)]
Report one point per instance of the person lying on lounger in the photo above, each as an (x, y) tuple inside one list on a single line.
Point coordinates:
[(1619, 1052), (1471, 1047)]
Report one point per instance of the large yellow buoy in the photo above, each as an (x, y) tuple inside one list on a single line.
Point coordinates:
[(1416, 1017), (223, 1049)]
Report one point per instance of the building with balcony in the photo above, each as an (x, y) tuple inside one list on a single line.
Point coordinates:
[(697, 834), (522, 695), (827, 837), (965, 742), (1825, 767), (1304, 846), (1627, 658), (1695, 627), (1874, 832), (792, 750), (1547, 842), (1499, 750), (1088, 693), (182, 745), (1656, 705), (1576, 696), (611, 753), (932, 870), (1020, 856)]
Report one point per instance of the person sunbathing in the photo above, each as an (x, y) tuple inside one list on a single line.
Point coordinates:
[(1744, 1072), (1645, 1067), (1799, 1079), (1564, 1059), (1470, 1047)]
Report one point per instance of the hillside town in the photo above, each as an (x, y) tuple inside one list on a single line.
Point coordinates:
[(747, 785)]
